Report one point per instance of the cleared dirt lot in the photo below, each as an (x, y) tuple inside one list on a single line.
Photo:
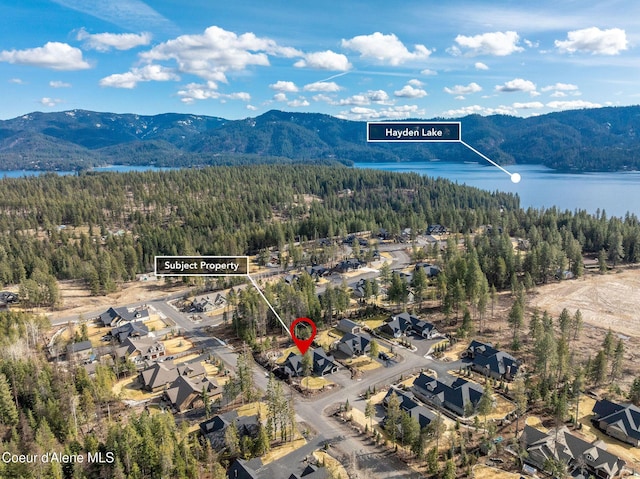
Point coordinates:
[(610, 300)]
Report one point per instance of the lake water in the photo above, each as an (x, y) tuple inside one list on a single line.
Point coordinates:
[(540, 187), (112, 168)]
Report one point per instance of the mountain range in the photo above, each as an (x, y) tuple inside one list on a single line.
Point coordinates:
[(601, 139)]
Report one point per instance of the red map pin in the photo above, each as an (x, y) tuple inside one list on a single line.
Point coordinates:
[(303, 344)]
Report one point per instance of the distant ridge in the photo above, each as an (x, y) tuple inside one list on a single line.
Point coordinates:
[(601, 139)]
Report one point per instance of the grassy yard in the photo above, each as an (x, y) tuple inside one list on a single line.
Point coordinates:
[(327, 338), (253, 408), (334, 467), (283, 450), (315, 384), (129, 388), (480, 471), (177, 345)]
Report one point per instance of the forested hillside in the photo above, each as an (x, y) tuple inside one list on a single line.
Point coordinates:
[(123, 220), (603, 139)]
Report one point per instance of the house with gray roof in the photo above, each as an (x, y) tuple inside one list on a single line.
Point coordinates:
[(132, 329), (141, 349), (492, 362), (214, 429), (185, 393), (461, 397), (322, 364), (160, 374), (312, 472), (621, 421), (583, 458), (355, 344), (115, 316), (81, 351), (348, 326), (241, 469), (410, 405)]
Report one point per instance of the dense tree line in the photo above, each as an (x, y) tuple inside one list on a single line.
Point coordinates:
[(124, 220)]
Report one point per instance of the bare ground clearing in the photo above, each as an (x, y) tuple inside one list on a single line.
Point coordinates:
[(606, 301), (76, 298)]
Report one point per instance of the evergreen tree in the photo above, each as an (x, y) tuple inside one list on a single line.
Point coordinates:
[(8, 410)]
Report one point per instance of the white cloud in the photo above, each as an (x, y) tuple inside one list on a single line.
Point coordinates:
[(104, 42), (326, 60), (285, 86), (409, 91), (50, 102), (481, 66), (362, 99), (495, 43), (463, 90), (415, 82), (251, 107), (59, 84), (518, 84), (460, 97), (392, 113), (560, 86), (280, 97), (298, 102), (17, 81), (528, 106), (572, 104), (594, 40), (428, 72), (54, 55), (130, 15), (131, 78), (558, 94), (385, 48), (531, 44), (215, 52), (208, 91), (324, 86), (480, 110), (321, 97)]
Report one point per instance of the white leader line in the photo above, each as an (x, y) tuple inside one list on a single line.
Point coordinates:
[(486, 158), (269, 304)]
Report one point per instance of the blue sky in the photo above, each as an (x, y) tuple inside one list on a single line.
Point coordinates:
[(352, 59)]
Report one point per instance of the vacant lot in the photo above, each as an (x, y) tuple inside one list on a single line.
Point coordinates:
[(606, 301)]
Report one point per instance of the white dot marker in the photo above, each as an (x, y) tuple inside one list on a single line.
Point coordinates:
[(515, 177)]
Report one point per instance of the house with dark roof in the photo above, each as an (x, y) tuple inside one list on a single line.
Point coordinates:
[(410, 405), (492, 362), (141, 349), (583, 459), (132, 329), (436, 230), (115, 316), (160, 374), (317, 271), (399, 325), (312, 472), (621, 421), (214, 429), (241, 469), (322, 364), (348, 265), (355, 344), (81, 351), (461, 397), (185, 393), (202, 305), (430, 270)]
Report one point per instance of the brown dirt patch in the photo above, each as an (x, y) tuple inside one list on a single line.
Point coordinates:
[(77, 300), (606, 301)]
